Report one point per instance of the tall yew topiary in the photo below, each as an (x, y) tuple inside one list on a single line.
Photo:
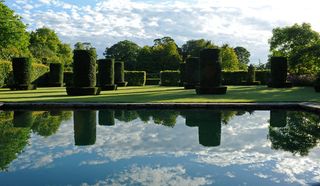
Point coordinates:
[(182, 69), (106, 74), (210, 73), (22, 73), (279, 69), (84, 74), (106, 117), (56, 75), (192, 73), (251, 76), (119, 74), (210, 128)]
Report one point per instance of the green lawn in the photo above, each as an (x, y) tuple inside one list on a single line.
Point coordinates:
[(158, 94)]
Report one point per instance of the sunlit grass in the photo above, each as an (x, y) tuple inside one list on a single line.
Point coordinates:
[(156, 94)]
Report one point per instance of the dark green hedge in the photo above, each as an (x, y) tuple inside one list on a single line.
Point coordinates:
[(210, 68), (192, 72), (153, 81), (5, 69), (22, 70), (234, 77), (251, 76), (169, 78), (106, 72), (84, 127), (182, 69), (84, 68), (56, 74), (118, 72), (135, 78), (68, 78), (279, 68), (263, 76)]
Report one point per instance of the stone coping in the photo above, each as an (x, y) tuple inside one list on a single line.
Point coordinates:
[(309, 106)]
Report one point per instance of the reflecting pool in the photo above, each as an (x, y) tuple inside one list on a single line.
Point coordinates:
[(159, 147)]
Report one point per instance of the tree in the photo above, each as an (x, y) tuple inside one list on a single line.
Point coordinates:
[(165, 54), (290, 40), (229, 60), (243, 56), (126, 51), (14, 39), (193, 47), (144, 60), (45, 45)]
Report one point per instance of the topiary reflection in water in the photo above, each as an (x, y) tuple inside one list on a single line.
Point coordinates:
[(84, 127), (296, 132)]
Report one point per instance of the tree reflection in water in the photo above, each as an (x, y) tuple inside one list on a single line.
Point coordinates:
[(297, 133)]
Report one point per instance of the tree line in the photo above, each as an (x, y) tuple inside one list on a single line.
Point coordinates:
[(299, 43)]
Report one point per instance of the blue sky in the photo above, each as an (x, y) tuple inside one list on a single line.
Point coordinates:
[(246, 23)]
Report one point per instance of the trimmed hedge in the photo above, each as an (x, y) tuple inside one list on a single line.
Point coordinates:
[(67, 78), (135, 78), (210, 73), (234, 77), (84, 127), (251, 76), (169, 78), (153, 81), (5, 69), (182, 69), (263, 76), (106, 71), (119, 74), (56, 75), (279, 69), (84, 68), (22, 71), (192, 72)]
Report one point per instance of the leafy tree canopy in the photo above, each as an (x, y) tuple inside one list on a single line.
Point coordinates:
[(45, 46), (243, 56), (296, 42), (14, 39), (193, 47), (229, 60), (126, 51)]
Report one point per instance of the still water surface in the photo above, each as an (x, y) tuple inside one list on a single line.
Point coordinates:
[(159, 147)]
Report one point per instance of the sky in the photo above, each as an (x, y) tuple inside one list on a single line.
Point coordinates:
[(246, 23)]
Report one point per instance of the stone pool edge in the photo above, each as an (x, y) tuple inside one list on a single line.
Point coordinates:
[(310, 106)]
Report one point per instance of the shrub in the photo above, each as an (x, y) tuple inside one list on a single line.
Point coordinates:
[(56, 74), (234, 77), (84, 127), (153, 81), (263, 76), (5, 69), (153, 75), (119, 74), (302, 79), (135, 78), (182, 69), (169, 78), (192, 72), (279, 68), (106, 117), (210, 73), (40, 74), (106, 72), (84, 68), (251, 76), (22, 71)]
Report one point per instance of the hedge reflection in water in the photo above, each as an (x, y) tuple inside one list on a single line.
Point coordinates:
[(292, 131)]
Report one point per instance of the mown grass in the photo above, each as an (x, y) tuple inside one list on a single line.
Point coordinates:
[(156, 94)]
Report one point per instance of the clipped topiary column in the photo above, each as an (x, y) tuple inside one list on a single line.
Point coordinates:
[(56, 75), (251, 76), (192, 73), (22, 71), (279, 69), (106, 74), (106, 117), (84, 127), (210, 73), (182, 69), (119, 74), (210, 128), (22, 119), (84, 74)]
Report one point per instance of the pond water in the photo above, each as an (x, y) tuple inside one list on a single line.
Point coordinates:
[(159, 147)]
